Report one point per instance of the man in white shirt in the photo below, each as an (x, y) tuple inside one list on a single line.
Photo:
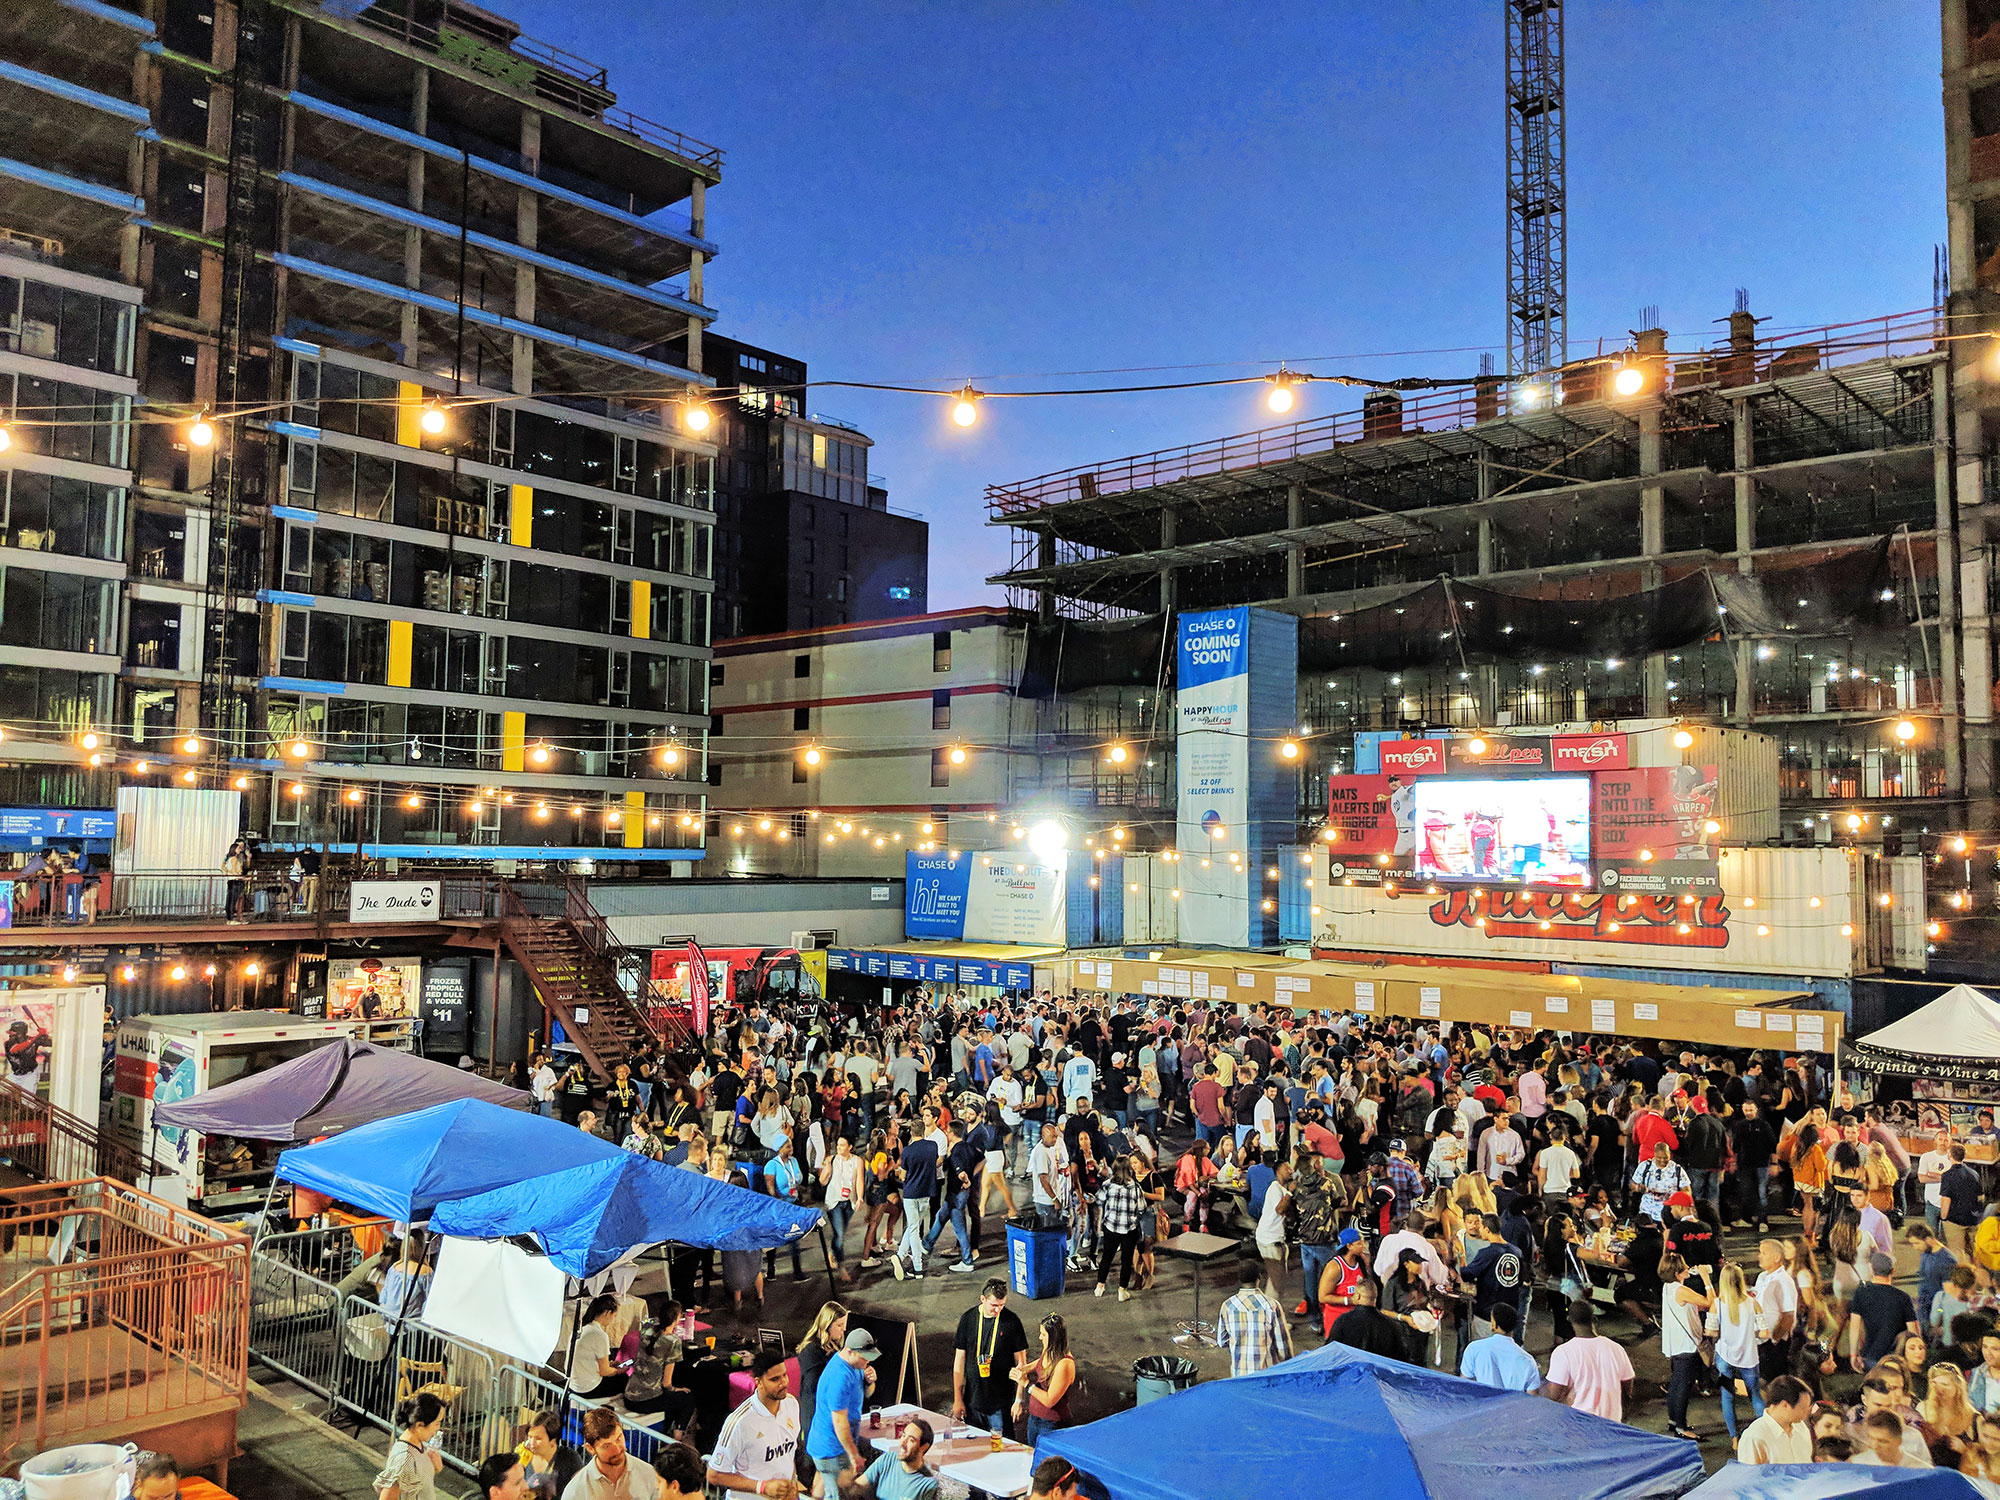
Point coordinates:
[(1783, 1435), (1471, 1110), (1005, 1090), (1048, 1166), (1931, 1167), (542, 1084), (1264, 1119), (1777, 1296), (1556, 1167), (1501, 1149), (758, 1448), (1402, 1238)]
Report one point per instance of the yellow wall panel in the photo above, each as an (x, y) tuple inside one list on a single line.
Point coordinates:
[(401, 633), (521, 515), (409, 414), (642, 609), (513, 742), (635, 820)]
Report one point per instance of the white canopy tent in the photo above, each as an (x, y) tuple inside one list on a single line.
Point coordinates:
[(1957, 1035)]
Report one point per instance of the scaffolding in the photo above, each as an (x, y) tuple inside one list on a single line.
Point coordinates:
[(1537, 233)]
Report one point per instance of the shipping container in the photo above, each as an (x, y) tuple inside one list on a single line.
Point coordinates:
[(1152, 912)]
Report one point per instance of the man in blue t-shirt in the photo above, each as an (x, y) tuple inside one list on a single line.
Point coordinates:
[(833, 1444)]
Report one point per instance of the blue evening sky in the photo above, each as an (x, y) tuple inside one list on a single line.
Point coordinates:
[(917, 192)]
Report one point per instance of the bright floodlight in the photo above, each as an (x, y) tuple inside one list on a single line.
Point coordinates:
[(1628, 380), (1279, 398), (1048, 839)]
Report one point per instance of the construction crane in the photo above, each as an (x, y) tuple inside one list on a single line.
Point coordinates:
[(1537, 237)]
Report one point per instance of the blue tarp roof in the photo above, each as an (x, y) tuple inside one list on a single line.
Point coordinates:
[(589, 1216), (405, 1166), (1824, 1481), (1413, 1434)]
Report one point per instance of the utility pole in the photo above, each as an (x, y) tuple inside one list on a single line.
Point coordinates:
[(1537, 236)]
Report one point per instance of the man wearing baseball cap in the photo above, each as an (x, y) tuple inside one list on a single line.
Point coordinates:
[(840, 1395), (1689, 1235), (1343, 1274)]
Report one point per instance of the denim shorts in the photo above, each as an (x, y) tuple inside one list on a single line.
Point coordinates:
[(831, 1466)]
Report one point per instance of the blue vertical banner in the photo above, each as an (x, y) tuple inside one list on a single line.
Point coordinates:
[(1236, 700)]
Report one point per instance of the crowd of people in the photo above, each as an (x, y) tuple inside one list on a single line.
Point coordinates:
[(1423, 1192)]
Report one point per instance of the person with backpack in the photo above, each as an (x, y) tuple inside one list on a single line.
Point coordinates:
[(1318, 1200)]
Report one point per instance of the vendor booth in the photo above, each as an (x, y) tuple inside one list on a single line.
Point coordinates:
[(1415, 1434), (1949, 1050)]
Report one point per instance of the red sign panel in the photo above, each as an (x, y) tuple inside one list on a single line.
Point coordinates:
[(1413, 757), (1366, 813), (1651, 828), (1589, 752)]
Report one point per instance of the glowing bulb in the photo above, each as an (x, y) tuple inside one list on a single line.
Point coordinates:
[(475, 807), (413, 802), (928, 828), (539, 755), (1853, 822), (188, 777), (432, 421), (694, 416), (69, 970), (1118, 755), (1762, 930), (1628, 380), (1936, 929), (296, 789), (252, 969), (956, 755), (96, 760), (298, 749), (812, 755), (965, 410), (1905, 730), (208, 971), (1118, 835), (201, 432), (1847, 929), (1958, 846), (89, 740), (763, 825), (177, 973), (1814, 903), (1279, 397), (1682, 739), (6, 439), (1685, 929), (1477, 746), (1329, 834), (142, 767), (541, 812), (190, 746), (354, 794), (670, 755), (1289, 749), (1645, 856), (1711, 827), (1883, 899)]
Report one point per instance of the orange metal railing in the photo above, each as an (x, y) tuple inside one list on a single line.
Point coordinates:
[(120, 1315)]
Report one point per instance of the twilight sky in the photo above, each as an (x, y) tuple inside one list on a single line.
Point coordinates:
[(918, 192)]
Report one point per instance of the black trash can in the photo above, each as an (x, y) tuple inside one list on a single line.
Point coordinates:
[(1158, 1375)]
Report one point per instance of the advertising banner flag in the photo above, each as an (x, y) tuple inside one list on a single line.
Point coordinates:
[(699, 994), (1652, 828)]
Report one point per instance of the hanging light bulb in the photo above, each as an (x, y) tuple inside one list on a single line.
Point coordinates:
[(540, 754), (432, 421), (188, 776), (89, 740), (96, 760), (298, 749), (965, 409), (296, 789), (6, 438), (475, 807), (252, 969), (1476, 745), (1118, 755), (177, 973), (191, 745), (763, 825), (695, 415), (140, 768), (1289, 749), (956, 755), (128, 973), (241, 783), (413, 802), (354, 794), (1279, 398), (670, 755), (1905, 730), (201, 432), (812, 756), (1683, 738), (1629, 380)]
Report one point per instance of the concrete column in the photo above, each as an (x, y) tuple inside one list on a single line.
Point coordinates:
[(1947, 572), (1482, 469), (527, 228), (1045, 557), (698, 208), (1169, 529), (1652, 542), (1744, 460), (697, 263), (1295, 555), (135, 172), (413, 239)]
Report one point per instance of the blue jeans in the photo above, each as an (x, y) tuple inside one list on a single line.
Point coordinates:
[(1726, 1375), (1034, 1427), (1706, 1185), (546, 1108), (1209, 1133), (838, 1216), (1001, 1421), (1313, 1260), (961, 1224), (1150, 1118), (1760, 1184)]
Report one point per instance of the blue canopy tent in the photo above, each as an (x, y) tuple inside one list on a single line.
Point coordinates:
[(589, 1216), (1415, 1434), (405, 1166), (1826, 1481)]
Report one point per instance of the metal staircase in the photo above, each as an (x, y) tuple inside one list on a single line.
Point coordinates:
[(576, 962)]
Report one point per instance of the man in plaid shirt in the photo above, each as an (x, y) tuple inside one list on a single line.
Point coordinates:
[(1404, 1179), (1252, 1327)]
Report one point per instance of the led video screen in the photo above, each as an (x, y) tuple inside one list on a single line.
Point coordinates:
[(1528, 830)]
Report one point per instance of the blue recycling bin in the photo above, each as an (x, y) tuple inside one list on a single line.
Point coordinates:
[(1036, 1258)]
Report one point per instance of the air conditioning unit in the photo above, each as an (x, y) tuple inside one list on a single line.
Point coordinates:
[(817, 937)]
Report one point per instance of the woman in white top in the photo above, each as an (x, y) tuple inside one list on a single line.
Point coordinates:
[(1271, 1231), (1736, 1324), (840, 1175), (1685, 1299)]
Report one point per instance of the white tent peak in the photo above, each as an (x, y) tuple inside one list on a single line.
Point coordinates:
[(1961, 1024)]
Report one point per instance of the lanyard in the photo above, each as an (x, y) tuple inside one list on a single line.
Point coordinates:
[(984, 1345)]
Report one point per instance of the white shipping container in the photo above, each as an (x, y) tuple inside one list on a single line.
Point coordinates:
[(1746, 766), (1152, 915)]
